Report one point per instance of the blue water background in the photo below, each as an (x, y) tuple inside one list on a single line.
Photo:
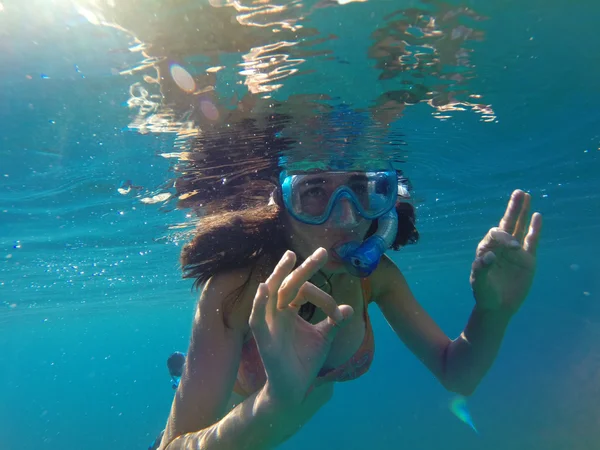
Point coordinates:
[(91, 301)]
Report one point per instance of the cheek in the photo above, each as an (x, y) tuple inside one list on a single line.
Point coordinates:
[(365, 227), (323, 235), (311, 234), (308, 238)]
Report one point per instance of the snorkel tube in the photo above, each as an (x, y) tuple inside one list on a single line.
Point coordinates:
[(361, 259)]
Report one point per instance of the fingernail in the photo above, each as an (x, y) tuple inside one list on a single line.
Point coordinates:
[(515, 243), (488, 258), (338, 317), (321, 253)]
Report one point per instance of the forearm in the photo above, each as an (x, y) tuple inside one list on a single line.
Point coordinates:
[(254, 424), (470, 356)]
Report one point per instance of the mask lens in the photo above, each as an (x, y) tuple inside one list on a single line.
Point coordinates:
[(311, 197)]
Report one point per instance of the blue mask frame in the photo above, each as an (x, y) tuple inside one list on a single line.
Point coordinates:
[(341, 192)]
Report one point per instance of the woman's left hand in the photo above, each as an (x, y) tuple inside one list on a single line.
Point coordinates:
[(505, 262)]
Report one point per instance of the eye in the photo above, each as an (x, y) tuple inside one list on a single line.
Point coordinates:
[(359, 188), (382, 186), (314, 192)]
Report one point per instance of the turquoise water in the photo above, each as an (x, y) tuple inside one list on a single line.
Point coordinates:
[(91, 300)]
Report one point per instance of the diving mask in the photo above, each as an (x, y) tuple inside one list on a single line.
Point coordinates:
[(310, 197)]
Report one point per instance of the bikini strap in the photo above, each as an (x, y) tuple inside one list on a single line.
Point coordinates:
[(365, 284)]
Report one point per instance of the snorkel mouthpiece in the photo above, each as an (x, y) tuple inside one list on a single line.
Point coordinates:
[(362, 259)]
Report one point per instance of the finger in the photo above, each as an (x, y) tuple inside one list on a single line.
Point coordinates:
[(293, 282), (511, 215), (281, 270), (311, 293), (496, 238), (504, 239), (259, 309), (275, 280), (533, 235), (523, 218), (330, 328), (480, 269)]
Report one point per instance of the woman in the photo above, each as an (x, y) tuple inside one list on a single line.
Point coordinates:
[(271, 336)]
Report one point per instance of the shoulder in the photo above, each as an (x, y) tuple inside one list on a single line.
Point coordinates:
[(387, 278), (229, 295)]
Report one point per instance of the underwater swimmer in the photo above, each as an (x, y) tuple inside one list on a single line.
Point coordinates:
[(176, 365), (283, 316)]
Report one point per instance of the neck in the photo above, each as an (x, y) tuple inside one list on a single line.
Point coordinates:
[(331, 282), (322, 279)]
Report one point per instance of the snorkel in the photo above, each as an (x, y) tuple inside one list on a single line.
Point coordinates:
[(361, 259)]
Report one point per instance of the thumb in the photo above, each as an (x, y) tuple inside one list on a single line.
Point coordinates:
[(329, 328), (480, 269)]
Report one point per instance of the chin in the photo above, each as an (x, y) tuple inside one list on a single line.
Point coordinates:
[(334, 266)]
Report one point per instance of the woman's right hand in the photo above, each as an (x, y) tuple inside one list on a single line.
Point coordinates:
[(292, 349)]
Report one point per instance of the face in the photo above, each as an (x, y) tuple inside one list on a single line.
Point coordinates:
[(343, 225)]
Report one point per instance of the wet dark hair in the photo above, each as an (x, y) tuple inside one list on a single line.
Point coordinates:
[(227, 178)]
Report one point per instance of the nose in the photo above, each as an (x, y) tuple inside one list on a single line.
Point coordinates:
[(344, 214)]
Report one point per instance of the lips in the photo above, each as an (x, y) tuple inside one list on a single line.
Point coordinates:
[(341, 242), (334, 257), (338, 245)]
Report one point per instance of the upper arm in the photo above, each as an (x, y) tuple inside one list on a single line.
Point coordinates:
[(413, 325), (212, 359)]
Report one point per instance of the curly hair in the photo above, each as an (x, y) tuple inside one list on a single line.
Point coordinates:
[(228, 179)]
